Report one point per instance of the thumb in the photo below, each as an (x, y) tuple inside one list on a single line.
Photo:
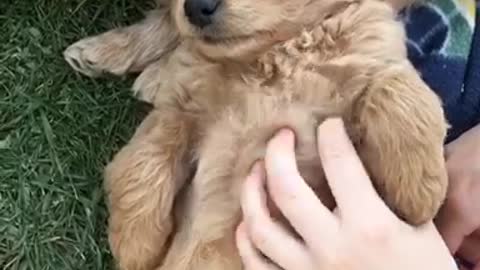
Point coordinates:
[(452, 230)]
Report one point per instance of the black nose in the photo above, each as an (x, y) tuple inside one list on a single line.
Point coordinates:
[(200, 12)]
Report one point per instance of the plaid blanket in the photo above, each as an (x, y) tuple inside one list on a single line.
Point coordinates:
[(444, 46)]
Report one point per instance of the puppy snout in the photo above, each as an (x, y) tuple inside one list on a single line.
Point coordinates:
[(200, 12)]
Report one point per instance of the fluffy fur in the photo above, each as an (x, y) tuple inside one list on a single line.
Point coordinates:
[(221, 92)]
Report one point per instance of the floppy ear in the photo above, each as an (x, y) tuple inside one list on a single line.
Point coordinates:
[(349, 76), (127, 49)]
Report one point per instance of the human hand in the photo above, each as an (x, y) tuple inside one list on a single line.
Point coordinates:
[(459, 218), (361, 234)]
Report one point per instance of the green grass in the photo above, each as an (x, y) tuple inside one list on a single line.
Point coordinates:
[(57, 131)]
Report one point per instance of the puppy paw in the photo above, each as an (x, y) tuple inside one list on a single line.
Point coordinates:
[(421, 203), (95, 56)]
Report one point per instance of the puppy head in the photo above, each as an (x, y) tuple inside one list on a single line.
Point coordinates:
[(238, 28)]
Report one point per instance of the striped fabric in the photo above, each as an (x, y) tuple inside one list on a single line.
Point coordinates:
[(443, 44)]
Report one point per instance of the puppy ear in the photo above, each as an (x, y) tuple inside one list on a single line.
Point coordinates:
[(350, 74), (319, 10)]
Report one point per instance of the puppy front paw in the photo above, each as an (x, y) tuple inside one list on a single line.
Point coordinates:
[(420, 202), (98, 55)]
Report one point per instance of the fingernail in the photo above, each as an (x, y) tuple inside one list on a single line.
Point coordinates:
[(285, 134), (257, 168), (241, 227)]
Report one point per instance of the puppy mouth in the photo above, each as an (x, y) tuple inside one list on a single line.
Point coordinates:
[(218, 40), (225, 40)]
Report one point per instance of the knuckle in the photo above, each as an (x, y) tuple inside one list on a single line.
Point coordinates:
[(258, 233), (285, 193), (334, 153), (378, 233)]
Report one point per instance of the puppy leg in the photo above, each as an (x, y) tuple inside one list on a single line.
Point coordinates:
[(208, 212), (205, 237), (403, 129), (141, 183), (124, 50)]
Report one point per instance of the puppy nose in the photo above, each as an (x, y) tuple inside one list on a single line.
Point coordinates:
[(200, 12)]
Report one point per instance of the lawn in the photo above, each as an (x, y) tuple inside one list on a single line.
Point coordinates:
[(57, 131)]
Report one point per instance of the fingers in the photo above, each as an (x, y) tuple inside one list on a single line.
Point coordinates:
[(470, 250), (452, 237), (251, 258), (457, 219), (477, 233), (273, 240), (346, 175), (295, 199), (451, 228)]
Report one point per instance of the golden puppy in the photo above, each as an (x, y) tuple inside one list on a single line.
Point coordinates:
[(224, 76)]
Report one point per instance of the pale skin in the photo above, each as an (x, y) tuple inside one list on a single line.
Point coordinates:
[(330, 240), (459, 219)]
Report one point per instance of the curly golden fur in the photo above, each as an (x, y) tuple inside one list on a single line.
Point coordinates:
[(220, 93)]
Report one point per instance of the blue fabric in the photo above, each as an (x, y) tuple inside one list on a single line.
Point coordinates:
[(471, 95), (445, 49)]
